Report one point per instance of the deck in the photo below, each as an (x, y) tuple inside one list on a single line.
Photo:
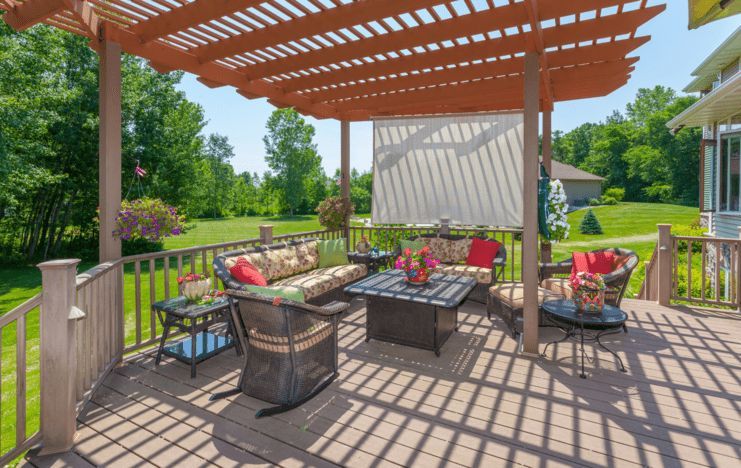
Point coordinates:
[(479, 404)]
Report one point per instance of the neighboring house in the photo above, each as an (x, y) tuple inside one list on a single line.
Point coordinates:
[(580, 186), (718, 112)]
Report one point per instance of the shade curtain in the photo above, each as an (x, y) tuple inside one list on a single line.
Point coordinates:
[(465, 168)]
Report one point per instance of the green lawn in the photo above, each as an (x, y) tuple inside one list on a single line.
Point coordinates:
[(629, 225)]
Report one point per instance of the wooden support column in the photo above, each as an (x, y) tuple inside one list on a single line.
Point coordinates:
[(58, 355), (665, 274), (109, 177), (530, 202), (345, 173), (545, 247)]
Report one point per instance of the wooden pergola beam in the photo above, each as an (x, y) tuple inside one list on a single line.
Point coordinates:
[(31, 12), (536, 33), (83, 12), (326, 21), (188, 16)]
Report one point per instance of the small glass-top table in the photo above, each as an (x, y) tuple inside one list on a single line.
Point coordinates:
[(584, 327), (195, 320)]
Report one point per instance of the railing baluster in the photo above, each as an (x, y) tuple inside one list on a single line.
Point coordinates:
[(689, 269), (138, 300), (717, 271), (20, 380), (192, 263), (167, 277), (152, 300), (180, 265), (703, 261), (675, 259)]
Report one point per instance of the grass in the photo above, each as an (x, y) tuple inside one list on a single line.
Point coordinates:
[(629, 225)]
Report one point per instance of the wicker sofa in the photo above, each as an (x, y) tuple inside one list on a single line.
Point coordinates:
[(452, 250), (296, 264)]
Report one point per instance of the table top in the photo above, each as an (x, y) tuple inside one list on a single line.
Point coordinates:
[(381, 254), (566, 309), (180, 307), (442, 290)]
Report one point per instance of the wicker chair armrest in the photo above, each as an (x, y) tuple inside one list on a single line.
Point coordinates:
[(549, 269), (333, 308), (498, 263)]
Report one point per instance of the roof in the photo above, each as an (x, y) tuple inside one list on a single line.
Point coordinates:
[(702, 12), (563, 171), (353, 60), (719, 105), (721, 57)]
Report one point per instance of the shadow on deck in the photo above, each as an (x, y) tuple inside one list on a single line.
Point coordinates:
[(479, 404)]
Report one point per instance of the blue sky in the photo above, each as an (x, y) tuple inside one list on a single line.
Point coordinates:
[(668, 59)]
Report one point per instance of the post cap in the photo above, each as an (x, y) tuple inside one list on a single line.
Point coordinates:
[(59, 264)]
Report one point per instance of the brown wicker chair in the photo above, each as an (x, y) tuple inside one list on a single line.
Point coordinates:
[(478, 293), (617, 281), (290, 349)]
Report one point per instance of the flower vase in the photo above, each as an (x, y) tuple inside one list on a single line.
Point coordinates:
[(363, 246), (418, 277), (590, 300), (195, 290)]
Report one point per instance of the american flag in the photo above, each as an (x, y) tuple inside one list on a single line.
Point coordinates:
[(139, 171)]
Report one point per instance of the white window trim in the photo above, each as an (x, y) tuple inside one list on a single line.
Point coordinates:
[(719, 161)]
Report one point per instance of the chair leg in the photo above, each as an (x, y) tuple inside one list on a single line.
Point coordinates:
[(283, 408)]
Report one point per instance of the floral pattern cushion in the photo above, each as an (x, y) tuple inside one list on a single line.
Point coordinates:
[(482, 275), (281, 263), (448, 251), (308, 256), (439, 248), (459, 249), (317, 282), (255, 259)]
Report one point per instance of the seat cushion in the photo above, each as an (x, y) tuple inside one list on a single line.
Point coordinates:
[(246, 273), (322, 280), (592, 262), (558, 285), (482, 275), (513, 294)]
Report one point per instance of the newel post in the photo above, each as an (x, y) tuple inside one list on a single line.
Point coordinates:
[(445, 226), (665, 274), (266, 234), (58, 355)]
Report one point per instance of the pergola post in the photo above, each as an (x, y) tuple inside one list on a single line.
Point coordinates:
[(345, 173), (530, 201), (109, 177), (545, 247)]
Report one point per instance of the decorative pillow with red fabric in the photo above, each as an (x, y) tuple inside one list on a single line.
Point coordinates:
[(592, 262), (482, 253), (245, 272)]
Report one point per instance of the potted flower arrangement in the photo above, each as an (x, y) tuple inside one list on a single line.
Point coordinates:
[(333, 211), (589, 291), (194, 286), (417, 265)]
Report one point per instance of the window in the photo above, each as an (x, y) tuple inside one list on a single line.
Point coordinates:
[(730, 173)]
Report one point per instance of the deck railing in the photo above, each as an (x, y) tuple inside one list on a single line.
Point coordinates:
[(71, 335), (698, 270)]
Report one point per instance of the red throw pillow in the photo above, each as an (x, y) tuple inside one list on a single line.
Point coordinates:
[(247, 273), (482, 253), (592, 262)]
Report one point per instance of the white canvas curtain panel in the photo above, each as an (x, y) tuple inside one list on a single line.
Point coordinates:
[(464, 168)]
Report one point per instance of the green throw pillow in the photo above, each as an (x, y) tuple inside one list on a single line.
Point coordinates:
[(286, 292), (415, 245), (332, 253)]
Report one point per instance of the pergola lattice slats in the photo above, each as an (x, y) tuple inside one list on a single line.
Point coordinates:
[(331, 59)]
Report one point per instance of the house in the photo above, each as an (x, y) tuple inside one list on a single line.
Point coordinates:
[(718, 112), (580, 186)]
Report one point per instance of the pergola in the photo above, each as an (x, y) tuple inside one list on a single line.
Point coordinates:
[(356, 60)]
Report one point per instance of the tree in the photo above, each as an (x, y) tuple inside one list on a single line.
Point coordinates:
[(648, 101), (590, 224), (291, 155)]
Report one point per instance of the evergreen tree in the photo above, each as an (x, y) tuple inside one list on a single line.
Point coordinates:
[(590, 224)]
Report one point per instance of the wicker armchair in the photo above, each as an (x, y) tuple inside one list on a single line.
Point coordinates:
[(290, 349), (617, 281), (478, 293)]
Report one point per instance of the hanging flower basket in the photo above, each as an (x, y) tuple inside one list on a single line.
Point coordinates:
[(148, 219), (333, 211)]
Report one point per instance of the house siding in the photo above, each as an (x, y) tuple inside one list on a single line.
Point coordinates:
[(578, 192), (726, 226)]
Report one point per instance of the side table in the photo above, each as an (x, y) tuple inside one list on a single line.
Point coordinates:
[(195, 320), (374, 261), (585, 326)]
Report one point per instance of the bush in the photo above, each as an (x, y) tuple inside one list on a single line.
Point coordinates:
[(617, 193), (332, 212), (594, 202), (659, 193), (590, 224), (605, 200)]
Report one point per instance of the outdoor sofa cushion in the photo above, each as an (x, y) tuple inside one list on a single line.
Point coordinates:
[(482, 253), (286, 292), (332, 253), (446, 250), (482, 275), (282, 263), (322, 280), (558, 285), (246, 273), (513, 294), (601, 262)]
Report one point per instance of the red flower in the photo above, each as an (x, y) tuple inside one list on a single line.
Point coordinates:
[(407, 252), (180, 279)]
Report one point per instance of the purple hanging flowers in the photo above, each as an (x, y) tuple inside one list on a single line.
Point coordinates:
[(150, 219)]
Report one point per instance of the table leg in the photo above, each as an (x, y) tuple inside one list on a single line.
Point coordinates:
[(600, 335), (165, 331), (193, 338), (582, 375)]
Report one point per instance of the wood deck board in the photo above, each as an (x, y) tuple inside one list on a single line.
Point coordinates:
[(479, 404)]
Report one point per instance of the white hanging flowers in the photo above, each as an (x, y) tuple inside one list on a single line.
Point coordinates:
[(557, 209)]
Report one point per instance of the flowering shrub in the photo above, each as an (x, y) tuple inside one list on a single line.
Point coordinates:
[(557, 209), (149, 219), (333, 211), (417, 265)]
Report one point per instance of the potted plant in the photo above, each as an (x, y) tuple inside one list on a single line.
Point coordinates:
[(417, 265), (194, 286), (333, 211), (363, 246), (589, 291)]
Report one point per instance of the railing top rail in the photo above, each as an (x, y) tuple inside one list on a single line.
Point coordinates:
[(301, 234), (20, 310), (710, 240), (437, 226), (87, 277)]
